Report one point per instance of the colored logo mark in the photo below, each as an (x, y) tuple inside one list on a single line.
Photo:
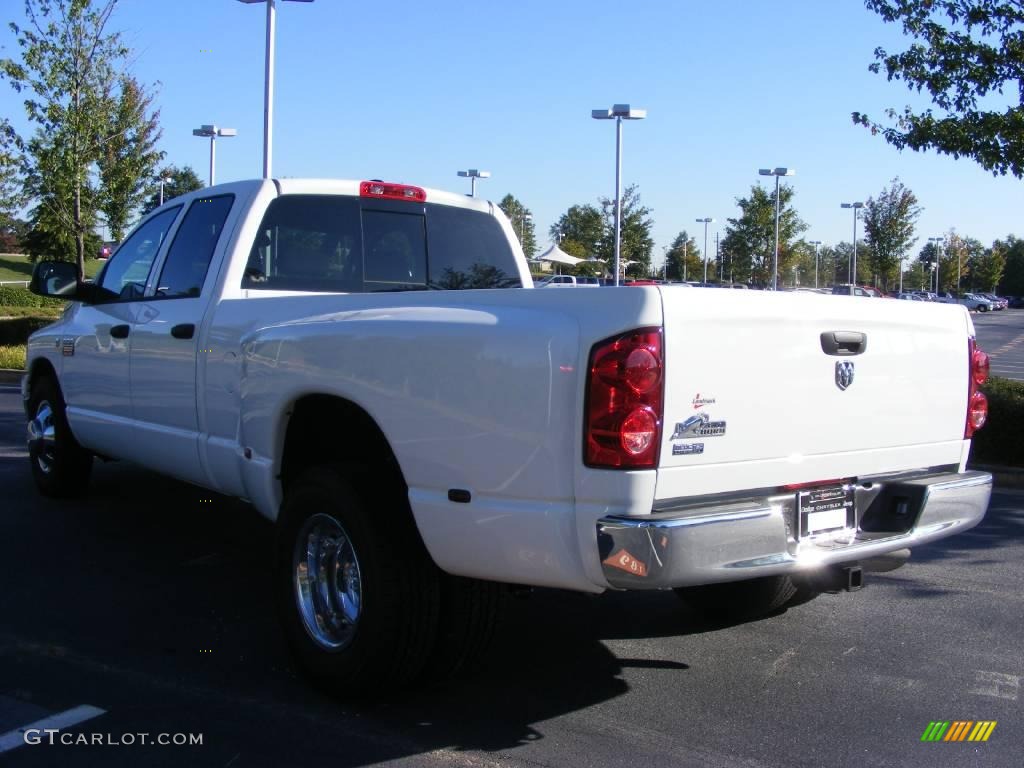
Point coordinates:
[(958, 730)]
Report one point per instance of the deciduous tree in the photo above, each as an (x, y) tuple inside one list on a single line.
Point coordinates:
[(180, 181), (522, 223), (750, 237), (636, 242), (683, 259), (964, 54), (889, 230)]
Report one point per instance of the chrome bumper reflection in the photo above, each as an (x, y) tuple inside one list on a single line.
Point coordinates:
[(756, 537)]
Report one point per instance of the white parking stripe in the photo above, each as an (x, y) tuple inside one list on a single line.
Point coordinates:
[(16, 738)]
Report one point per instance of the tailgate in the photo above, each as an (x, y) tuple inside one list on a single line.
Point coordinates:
[(750, 390)]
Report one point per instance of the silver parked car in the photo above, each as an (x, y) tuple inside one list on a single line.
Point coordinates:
[(975, 302)]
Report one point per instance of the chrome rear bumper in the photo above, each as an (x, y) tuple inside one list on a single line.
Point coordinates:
[(747, 538)]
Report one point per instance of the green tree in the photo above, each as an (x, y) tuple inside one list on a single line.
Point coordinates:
[(750, 237), (522, 223), (636, 242), (683, 259), (579, 231), (128, 156), (965, 52), (986, 267), (1012, 283), (889, 230), (68, 70), (10, 176), (180, 181)]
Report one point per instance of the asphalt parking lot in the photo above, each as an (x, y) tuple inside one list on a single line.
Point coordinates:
[(1001, 335), (149, 605)]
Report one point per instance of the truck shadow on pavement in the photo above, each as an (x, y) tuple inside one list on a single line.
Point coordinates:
[(153, 599)]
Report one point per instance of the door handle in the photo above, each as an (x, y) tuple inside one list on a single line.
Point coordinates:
[(183, 331), (844, 343), (120, 331)]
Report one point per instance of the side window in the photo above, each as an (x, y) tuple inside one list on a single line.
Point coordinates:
[(468, 249), (126, 272), (188, 258), (395, 256), (307, 243)]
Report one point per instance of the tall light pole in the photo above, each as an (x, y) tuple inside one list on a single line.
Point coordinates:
[(778, 173), (853, 269), (212, 131), (473, 174), (705, 221), (940, 241), (619, 112), (815, 243), (268, 81), (163, 180)]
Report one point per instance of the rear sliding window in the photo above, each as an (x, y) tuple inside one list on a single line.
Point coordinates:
[(355, 245)]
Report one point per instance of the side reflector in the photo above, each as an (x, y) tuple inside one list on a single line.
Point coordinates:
[(388, 191)]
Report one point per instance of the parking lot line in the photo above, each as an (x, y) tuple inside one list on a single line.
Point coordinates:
[(16, 738)]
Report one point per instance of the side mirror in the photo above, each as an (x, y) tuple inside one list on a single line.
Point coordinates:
[(59, 280)]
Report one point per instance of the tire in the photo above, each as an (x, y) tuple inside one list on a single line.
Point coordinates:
[(470, 611), (982, 308), (60, 465), (739, 601), (371, 625)]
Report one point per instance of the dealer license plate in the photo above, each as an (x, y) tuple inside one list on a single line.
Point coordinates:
[(823, 510)]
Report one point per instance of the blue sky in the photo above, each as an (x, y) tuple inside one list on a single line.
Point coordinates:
[(414, 91)]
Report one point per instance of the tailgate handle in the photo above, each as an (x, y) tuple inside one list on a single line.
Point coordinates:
[(843, 343)]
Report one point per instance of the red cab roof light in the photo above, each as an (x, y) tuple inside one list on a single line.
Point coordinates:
[(388, 191)]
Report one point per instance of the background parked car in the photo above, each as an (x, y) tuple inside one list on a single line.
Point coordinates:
[(997, 301), (975, 302), (568, 281)]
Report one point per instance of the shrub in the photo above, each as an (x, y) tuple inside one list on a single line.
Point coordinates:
[(12, 357), (999, 441), (16, 296), (16, 330)]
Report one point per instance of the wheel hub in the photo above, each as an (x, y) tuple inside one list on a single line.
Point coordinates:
[(327, 582), (42, 437)]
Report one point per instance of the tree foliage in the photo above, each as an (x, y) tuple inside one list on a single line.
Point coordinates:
[(683, 259), (10, 175), (750, 237), (128, 155), (964, 54), (1012, 283), (69, 72), (180, 181), (986, 267), (889, 230), (579, 231), (636, 242), (522, 223)]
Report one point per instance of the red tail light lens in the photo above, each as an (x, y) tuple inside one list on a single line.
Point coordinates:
[(977, 403), (979, 367), (977, 413), (623, 415), (387, 191)]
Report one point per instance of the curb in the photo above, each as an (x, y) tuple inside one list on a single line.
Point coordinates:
[(1002, 477), (10, 376)]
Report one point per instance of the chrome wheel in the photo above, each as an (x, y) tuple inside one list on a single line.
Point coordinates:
[(327, 580), (42, 437)]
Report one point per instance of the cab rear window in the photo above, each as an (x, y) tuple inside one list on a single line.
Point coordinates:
[(325, 243)]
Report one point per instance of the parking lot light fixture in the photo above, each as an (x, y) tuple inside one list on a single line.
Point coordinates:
[(618, 112), (212, 131), (778, 173), (163, 180), (853, 266), (705, 221), (268, 81), (473, 174), (939, 243)]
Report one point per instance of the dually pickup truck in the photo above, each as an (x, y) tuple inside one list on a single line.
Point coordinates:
[(368, 364)]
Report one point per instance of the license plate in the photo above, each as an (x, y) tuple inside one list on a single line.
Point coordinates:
[(822, 510)]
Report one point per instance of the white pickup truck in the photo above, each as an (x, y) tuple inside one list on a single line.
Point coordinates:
[(307, 345)]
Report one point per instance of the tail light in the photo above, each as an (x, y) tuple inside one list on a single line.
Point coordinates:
[(977, 403), (387, 191), (623, 411)]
